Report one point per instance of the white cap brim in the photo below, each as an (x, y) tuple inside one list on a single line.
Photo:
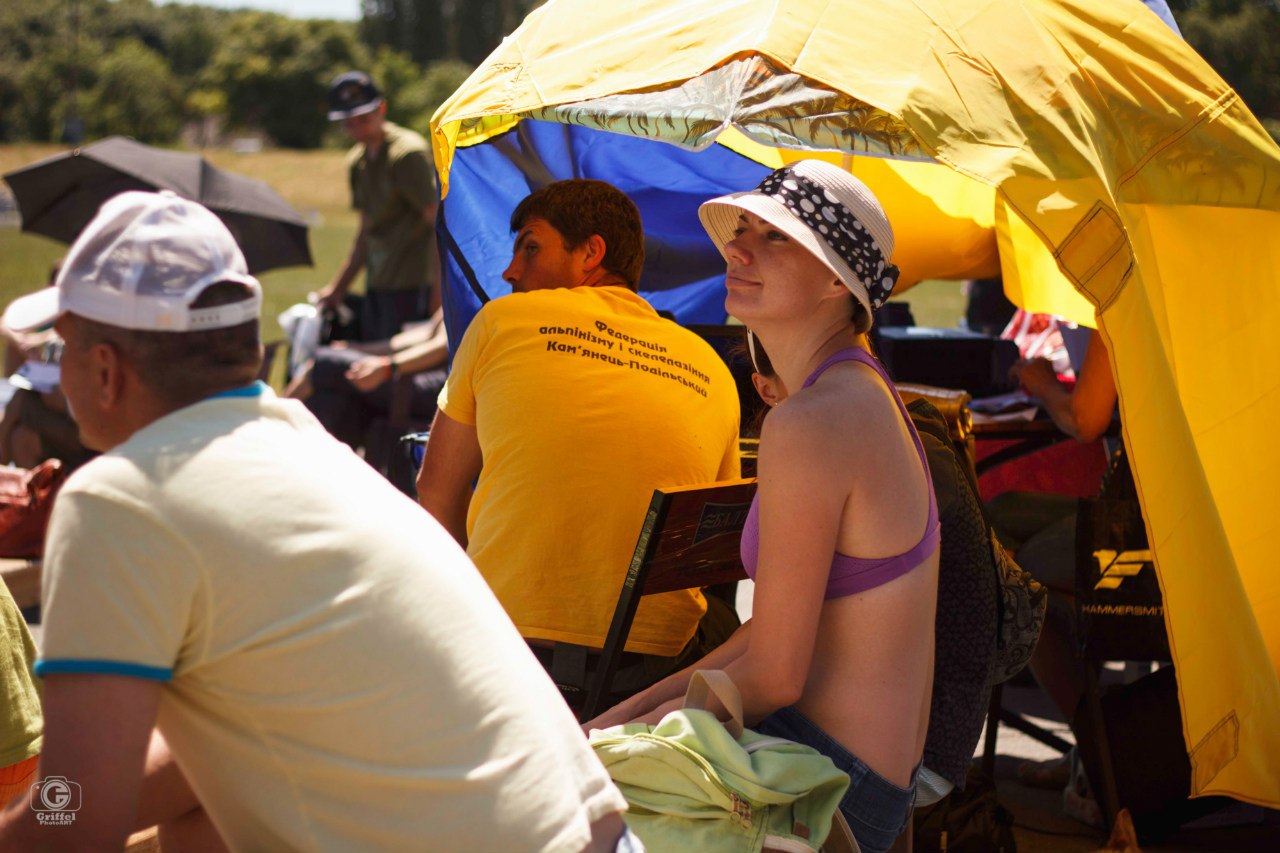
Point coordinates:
[(342, 115), (33, 311), (720, 216)]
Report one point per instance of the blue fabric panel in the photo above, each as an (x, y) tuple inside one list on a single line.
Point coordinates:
[(102, 667), (683, 272)]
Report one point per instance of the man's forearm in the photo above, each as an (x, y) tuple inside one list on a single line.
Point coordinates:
[(1056, 400), (419, 357), (96, 732), (354, 262)]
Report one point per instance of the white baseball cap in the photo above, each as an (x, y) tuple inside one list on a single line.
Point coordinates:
[(140, 264)]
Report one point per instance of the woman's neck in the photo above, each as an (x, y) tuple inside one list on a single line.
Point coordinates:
[(795, 354)]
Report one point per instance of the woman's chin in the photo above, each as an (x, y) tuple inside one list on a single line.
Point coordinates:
[(742, 304)]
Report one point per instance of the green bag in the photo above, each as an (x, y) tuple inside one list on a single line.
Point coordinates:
[(696, 784)]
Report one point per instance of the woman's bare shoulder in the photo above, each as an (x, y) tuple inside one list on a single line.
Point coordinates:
[(850, 398), (816, 427)]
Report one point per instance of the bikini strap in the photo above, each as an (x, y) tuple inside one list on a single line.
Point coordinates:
[(848, 354), (860, 355)]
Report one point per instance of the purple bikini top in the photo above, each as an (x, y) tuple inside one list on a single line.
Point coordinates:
[(851, 575)]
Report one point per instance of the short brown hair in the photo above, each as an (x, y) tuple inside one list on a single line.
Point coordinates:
[(580, 207), (181, 368)]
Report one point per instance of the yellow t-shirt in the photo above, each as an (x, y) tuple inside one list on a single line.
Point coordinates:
[(585, 401), (337, 675)]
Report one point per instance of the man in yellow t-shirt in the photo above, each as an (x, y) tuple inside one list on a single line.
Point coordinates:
[(569, 401)]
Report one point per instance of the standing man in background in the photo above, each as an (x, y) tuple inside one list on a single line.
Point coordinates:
[(393, 186)]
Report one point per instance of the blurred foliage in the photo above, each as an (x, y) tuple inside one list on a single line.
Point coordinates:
[(432, 30), (274, 72), (135, 94), (129, 66), (1241, 40), (147, 71)]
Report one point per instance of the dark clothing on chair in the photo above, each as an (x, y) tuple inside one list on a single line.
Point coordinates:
[(346, 411), (569, 665), (383, 314)]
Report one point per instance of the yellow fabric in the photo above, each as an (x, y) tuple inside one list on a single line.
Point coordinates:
[(20, 718), (585, 401), (1119, 158), (1030, 272), (341, 678), (952, 217)]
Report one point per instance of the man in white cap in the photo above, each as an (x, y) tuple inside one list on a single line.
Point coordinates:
[(250, 637)]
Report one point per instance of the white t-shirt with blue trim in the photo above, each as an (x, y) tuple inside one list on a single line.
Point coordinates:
[(338, 677)]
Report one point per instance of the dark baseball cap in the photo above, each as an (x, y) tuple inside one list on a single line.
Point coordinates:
[(352, 94)]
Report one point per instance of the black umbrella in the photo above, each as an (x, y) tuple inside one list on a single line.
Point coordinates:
[(58, 196)]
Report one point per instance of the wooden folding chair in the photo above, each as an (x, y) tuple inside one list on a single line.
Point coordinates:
[(689, 539)]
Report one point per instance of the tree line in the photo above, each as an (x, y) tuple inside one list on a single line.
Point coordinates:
[(98, 67)]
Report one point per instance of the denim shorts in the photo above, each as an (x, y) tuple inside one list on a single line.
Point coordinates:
[(877, 810)]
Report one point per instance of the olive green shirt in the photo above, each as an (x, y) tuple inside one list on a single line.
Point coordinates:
[(20, 717), (392, 191)]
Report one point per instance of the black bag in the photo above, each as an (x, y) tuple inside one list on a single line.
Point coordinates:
[(343, 324), (1119, 606), (965, 821), (1148, 755)]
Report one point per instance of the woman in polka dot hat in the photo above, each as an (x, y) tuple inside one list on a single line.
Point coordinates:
[(843, 537)]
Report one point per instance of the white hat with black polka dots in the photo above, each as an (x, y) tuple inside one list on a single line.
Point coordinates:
[(828, 211)]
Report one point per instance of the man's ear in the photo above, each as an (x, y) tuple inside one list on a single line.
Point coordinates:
[(596, 249), (107, 370)]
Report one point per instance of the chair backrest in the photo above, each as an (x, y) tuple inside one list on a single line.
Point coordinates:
[(953, 405), (269, 352), (689, 538)]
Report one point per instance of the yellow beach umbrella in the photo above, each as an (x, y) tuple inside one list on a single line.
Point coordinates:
[(1123, 182)]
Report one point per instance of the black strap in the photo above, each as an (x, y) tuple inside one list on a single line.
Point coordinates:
[(451, 246)]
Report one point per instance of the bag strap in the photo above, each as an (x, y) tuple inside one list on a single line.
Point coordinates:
[(704, 682), (841, 839)]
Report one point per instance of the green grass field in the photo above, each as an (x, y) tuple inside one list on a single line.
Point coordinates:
[(314, 182)]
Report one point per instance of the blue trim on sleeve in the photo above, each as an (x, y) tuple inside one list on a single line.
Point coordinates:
[(253, 390), (102, 667)]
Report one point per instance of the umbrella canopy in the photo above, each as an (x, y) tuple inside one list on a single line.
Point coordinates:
[(59, 195), (1125, 183)]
